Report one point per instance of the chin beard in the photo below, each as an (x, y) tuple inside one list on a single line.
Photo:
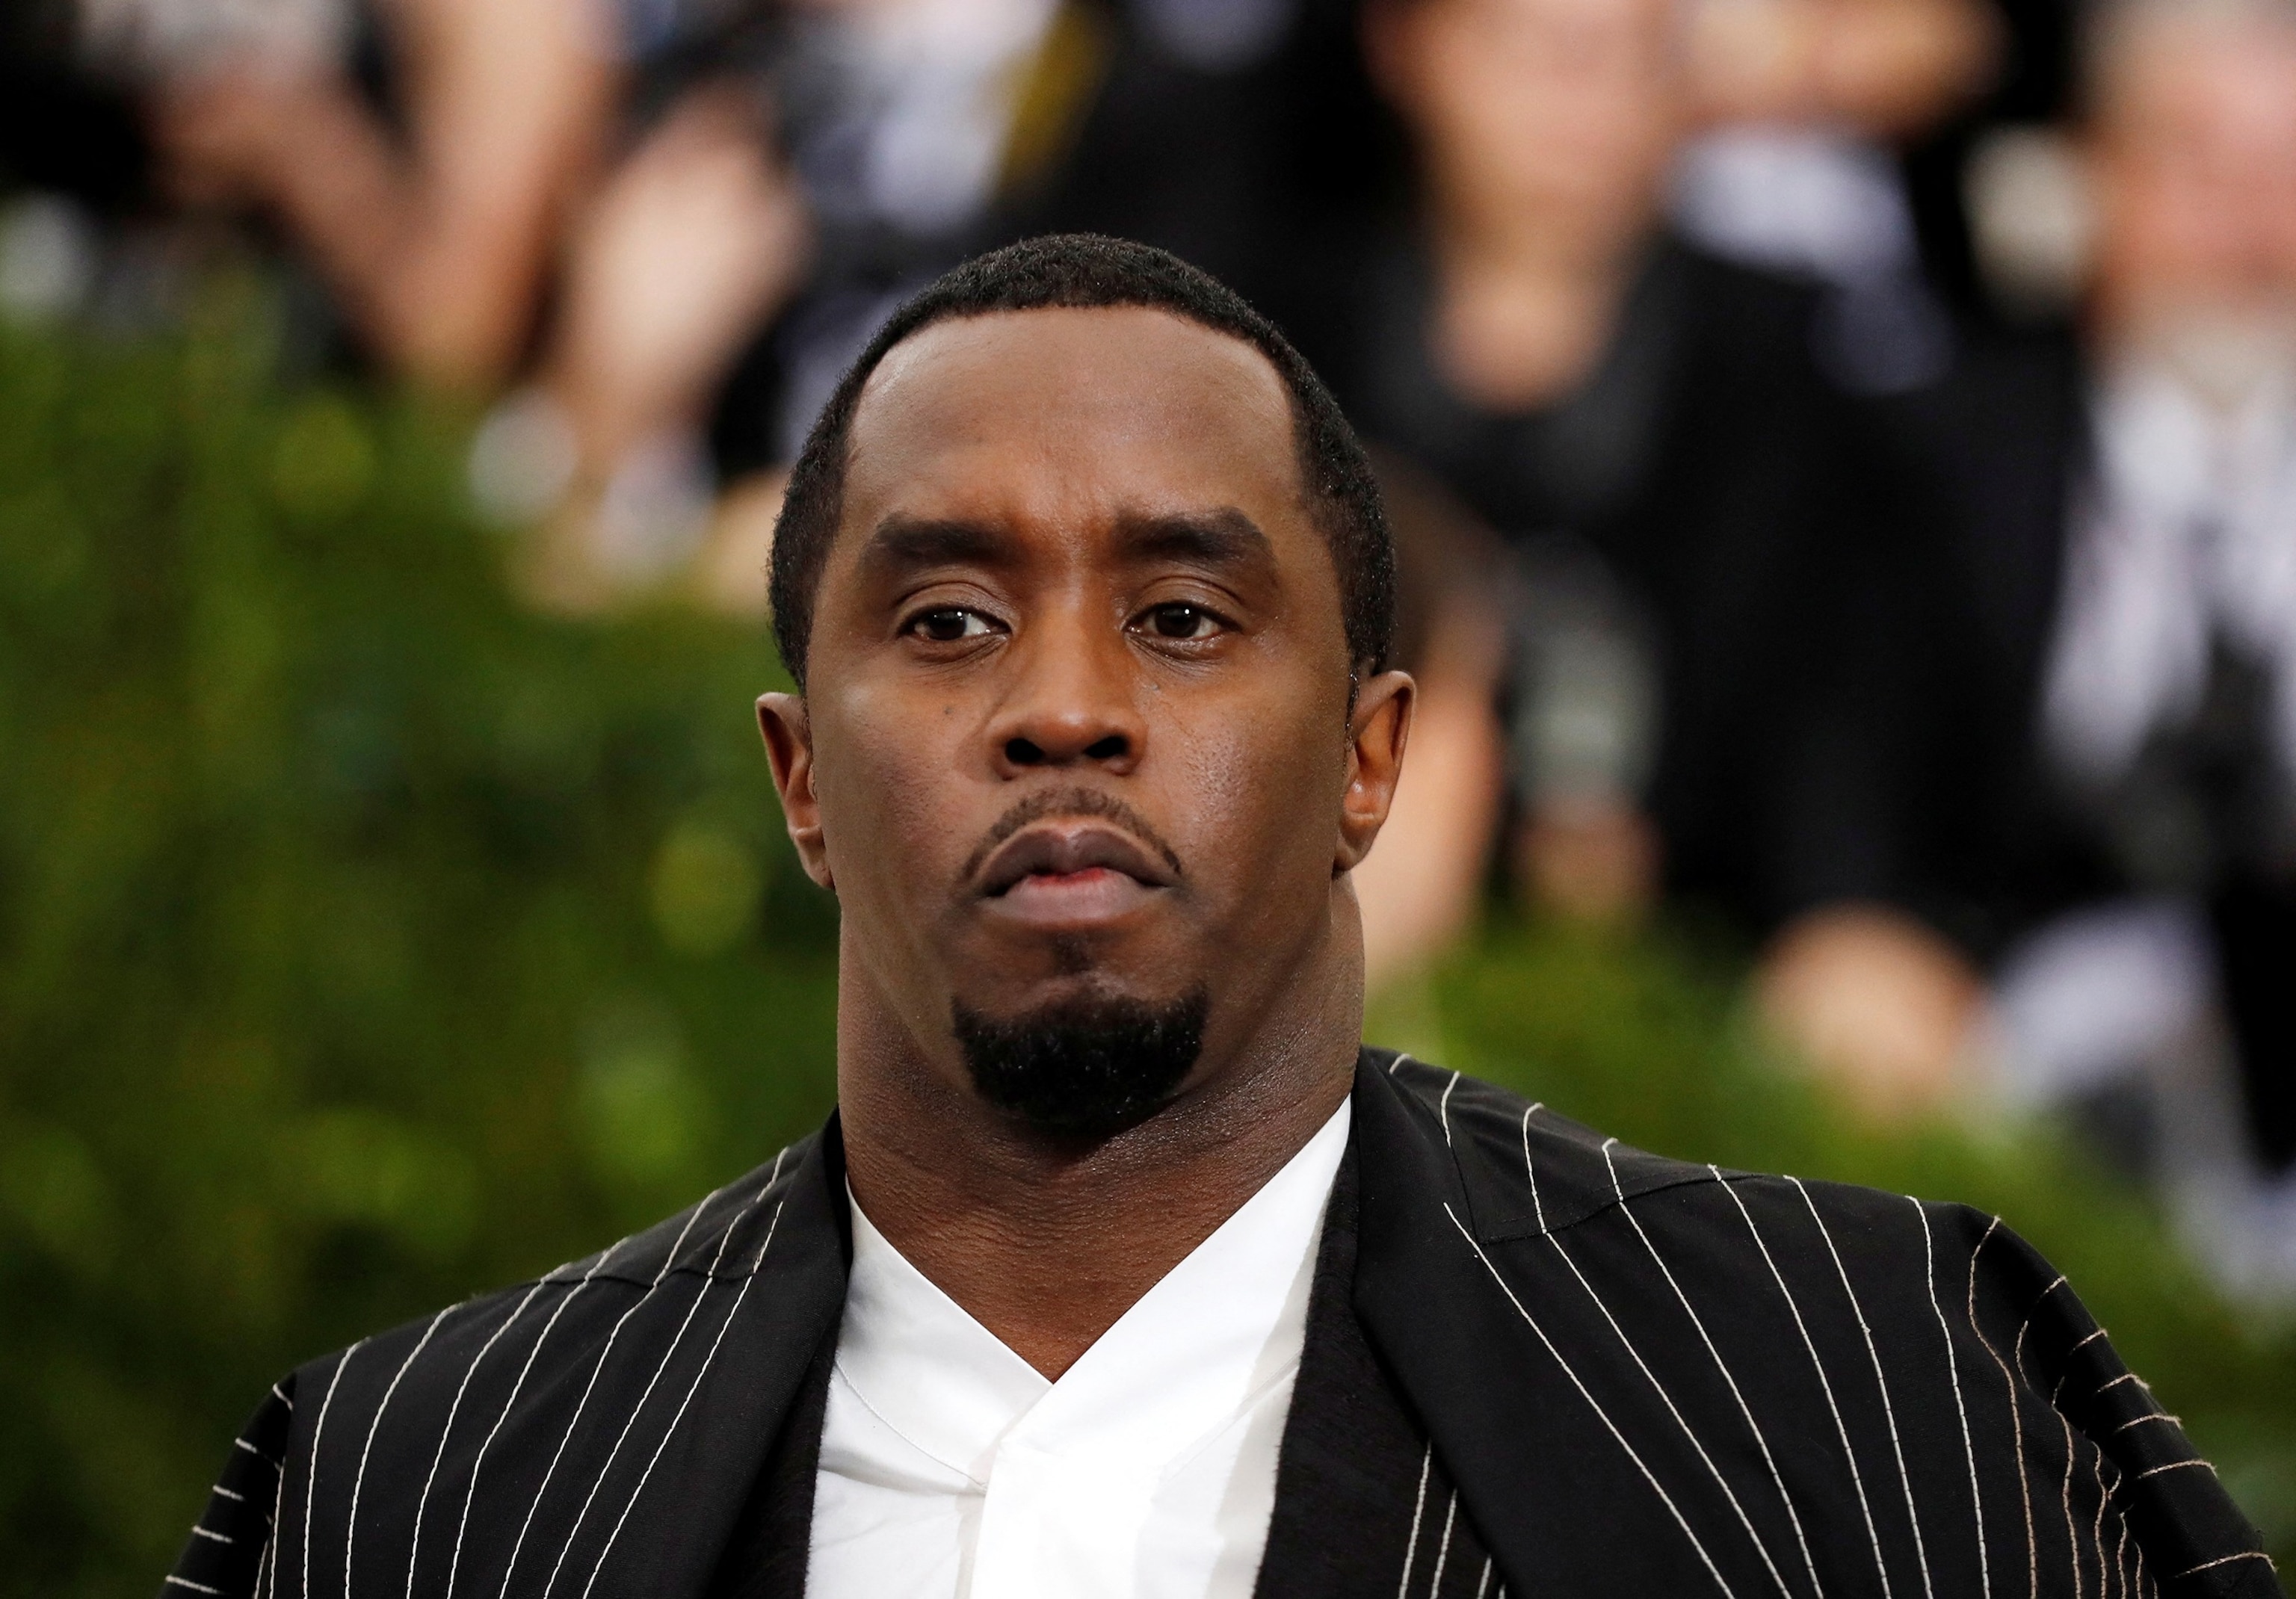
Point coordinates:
[(1084, 1068)]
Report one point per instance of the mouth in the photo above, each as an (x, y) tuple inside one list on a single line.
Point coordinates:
[(1072, 873)]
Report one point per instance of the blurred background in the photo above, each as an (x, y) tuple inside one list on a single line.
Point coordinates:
[(1843, 459)]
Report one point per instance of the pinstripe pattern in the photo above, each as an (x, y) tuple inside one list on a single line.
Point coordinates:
[(1611, 1426), (1770, 1460), (1611, 1373), (639, 1409), (318, 1437), (367, 1450), (1880, 1381), (1418, 1513), (1856, 1291), (1665, 1398), (1824, 1382), (749, 1281), (1443, 1548), (1441, 1557), (478, 1461), (605, 1354), (2016, 1417), (450, 1403), (1960, 1402), (446, 1429)]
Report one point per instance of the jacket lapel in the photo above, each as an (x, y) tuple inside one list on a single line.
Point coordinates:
[(590, 1436), (1557, 1446), (681, 1498)]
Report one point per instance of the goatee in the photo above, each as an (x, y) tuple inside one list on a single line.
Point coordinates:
[(1084, 1069)]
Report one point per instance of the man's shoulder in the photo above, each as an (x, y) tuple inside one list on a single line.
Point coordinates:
[(1529, 1170), (525, 1424), (1579, 1323), (720, 1237)]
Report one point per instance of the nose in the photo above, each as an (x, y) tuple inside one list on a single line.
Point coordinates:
[(1069, 703)]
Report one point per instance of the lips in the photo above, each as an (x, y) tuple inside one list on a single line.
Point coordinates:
[(1077, 851)]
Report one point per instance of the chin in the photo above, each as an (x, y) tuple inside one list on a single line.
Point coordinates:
[(1086, 1064)]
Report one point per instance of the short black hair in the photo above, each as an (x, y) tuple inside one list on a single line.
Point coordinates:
[(1087, 271)]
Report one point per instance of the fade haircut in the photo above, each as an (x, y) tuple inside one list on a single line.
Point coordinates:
[(1084, 271)]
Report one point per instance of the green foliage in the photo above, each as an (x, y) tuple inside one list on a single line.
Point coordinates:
[(365, 941), (1644, 1038)]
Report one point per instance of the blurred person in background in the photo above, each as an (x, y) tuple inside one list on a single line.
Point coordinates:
[(1454, 588), (579, 192), (907, 124), (1698, 512), (2099, 777), (653, 230), (1226, 131), (62, 133), (1806, 104)]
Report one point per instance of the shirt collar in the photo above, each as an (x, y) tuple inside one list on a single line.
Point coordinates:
[(1177, 1368)]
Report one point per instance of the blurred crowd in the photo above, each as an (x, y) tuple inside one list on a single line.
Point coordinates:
[(1842, 452)]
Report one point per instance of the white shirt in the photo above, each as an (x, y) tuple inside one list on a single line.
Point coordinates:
[(949, 1466), (1802, 200), (2190, 533)]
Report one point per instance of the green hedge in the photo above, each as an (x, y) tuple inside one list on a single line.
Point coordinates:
[(366, 941), (363, 940)]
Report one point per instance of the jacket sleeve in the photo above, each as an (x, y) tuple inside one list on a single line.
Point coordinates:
[(2030, 1326), (232, 1551)]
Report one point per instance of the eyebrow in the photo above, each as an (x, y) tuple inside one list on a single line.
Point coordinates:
[(1221, 538), (1225, 536), (905, 543)]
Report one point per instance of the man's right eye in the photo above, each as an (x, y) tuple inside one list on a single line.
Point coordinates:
[(949, 625)]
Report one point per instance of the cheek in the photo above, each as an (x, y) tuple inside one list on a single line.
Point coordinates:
[(1263, 793), (890, 781)]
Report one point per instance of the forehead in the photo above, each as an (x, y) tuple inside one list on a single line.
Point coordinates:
[(1565, 26), (2203, 76), (1069, 417)]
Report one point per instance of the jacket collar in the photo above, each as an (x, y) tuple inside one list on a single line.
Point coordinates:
[(1445, 1167), (785, 1309)]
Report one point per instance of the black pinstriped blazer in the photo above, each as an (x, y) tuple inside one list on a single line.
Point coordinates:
[(1537, 1361)]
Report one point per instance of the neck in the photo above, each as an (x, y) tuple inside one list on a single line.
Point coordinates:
[(1046, 1244), (1526, 300)]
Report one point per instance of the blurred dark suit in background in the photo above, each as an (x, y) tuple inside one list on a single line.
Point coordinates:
[(1730, 494), (1701, 514), (2095, 780)]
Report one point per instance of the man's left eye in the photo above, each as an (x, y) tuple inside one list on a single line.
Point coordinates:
[(949, 625), (1182, 621)]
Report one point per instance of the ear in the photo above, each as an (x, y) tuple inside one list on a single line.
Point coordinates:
[(788, 747), (1376, 735)]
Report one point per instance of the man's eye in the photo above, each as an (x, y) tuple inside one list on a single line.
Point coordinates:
[(949, 625), (1183, 621)]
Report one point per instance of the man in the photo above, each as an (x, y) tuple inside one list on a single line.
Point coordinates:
[(1122, 1269)]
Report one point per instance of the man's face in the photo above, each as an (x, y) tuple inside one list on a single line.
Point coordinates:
[(2196, 152), (1076, 728), (1568, 108)]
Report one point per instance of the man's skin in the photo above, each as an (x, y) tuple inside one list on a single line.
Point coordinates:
[(1056, 494)]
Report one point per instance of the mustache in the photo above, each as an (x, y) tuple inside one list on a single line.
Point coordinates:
[(1069, 802)]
